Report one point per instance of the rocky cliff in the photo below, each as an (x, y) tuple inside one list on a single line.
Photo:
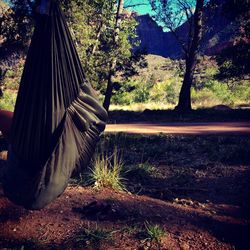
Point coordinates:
[(219, 32)]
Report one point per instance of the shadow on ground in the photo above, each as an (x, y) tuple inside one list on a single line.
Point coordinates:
[(199, 115)]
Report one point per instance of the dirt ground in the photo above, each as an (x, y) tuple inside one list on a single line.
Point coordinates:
[(203, 205), (188, 224), (182, 128)]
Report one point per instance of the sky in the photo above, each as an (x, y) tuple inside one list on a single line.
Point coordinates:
[(141, 9)]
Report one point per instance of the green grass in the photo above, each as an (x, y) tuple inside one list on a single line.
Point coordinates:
[(141, 168), (140, 173), (155, 165), (93, 235), (152, 232), (106, 171), (184, 151)]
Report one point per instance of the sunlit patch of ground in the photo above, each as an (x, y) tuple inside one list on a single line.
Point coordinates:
[(181, 128)]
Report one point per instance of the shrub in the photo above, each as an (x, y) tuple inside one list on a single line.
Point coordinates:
[(241, 93), (204, 98), (7, 102), (13, 76), (141, 93), (158, 92), (221, 91), (166, 92)]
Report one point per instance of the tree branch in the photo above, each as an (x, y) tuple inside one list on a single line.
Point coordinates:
[(135, 5), (32, 6)]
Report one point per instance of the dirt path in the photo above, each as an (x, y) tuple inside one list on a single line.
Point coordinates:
[(182, 128)]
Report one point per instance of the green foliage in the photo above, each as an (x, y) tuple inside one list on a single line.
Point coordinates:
[(92, 25), (13, 76), (150, 90), (204, 98), (143, 90), (145, 167), (166, 91), (7, 102), (233, 61), (106, 171), (211, 94), (241, 92), (141, 93), (16, 24), (124, 93)]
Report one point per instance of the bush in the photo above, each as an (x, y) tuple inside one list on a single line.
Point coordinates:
[(141, 92), (222, 91), (212, 93), (124, 94), (204, 98), (13, 76), (158, 93), (149, 90), (122, 98), (171, 94), (166, 92), (241, 93), (7, 102)]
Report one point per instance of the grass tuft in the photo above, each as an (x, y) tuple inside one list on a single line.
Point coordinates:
[(153, 232), (106, 171), (94, 235)]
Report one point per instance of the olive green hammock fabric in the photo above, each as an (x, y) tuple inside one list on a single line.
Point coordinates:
[(57, 118)]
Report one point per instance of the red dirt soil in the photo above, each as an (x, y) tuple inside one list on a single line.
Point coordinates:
[(189, 225), (182, 128)]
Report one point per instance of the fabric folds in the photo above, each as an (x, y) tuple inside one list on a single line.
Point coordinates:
[(57, 118)]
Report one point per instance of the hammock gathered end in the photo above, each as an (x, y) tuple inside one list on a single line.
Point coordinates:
[(57, 119)]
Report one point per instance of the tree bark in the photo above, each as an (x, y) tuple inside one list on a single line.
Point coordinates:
[(184, 104), (110, 83)]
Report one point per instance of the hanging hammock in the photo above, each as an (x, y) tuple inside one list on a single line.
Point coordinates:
[(57, 119)]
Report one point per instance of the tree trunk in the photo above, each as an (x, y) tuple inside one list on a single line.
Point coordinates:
[(110, 83), (108, 93), (184, 104)]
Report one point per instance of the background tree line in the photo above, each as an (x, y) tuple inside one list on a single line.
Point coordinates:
[(105, 36)]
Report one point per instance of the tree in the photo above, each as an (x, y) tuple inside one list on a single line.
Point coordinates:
[(113, 62), (14, 27), (106, 50), (103, 37), (172, 13), (233, 61), (234, 9)]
